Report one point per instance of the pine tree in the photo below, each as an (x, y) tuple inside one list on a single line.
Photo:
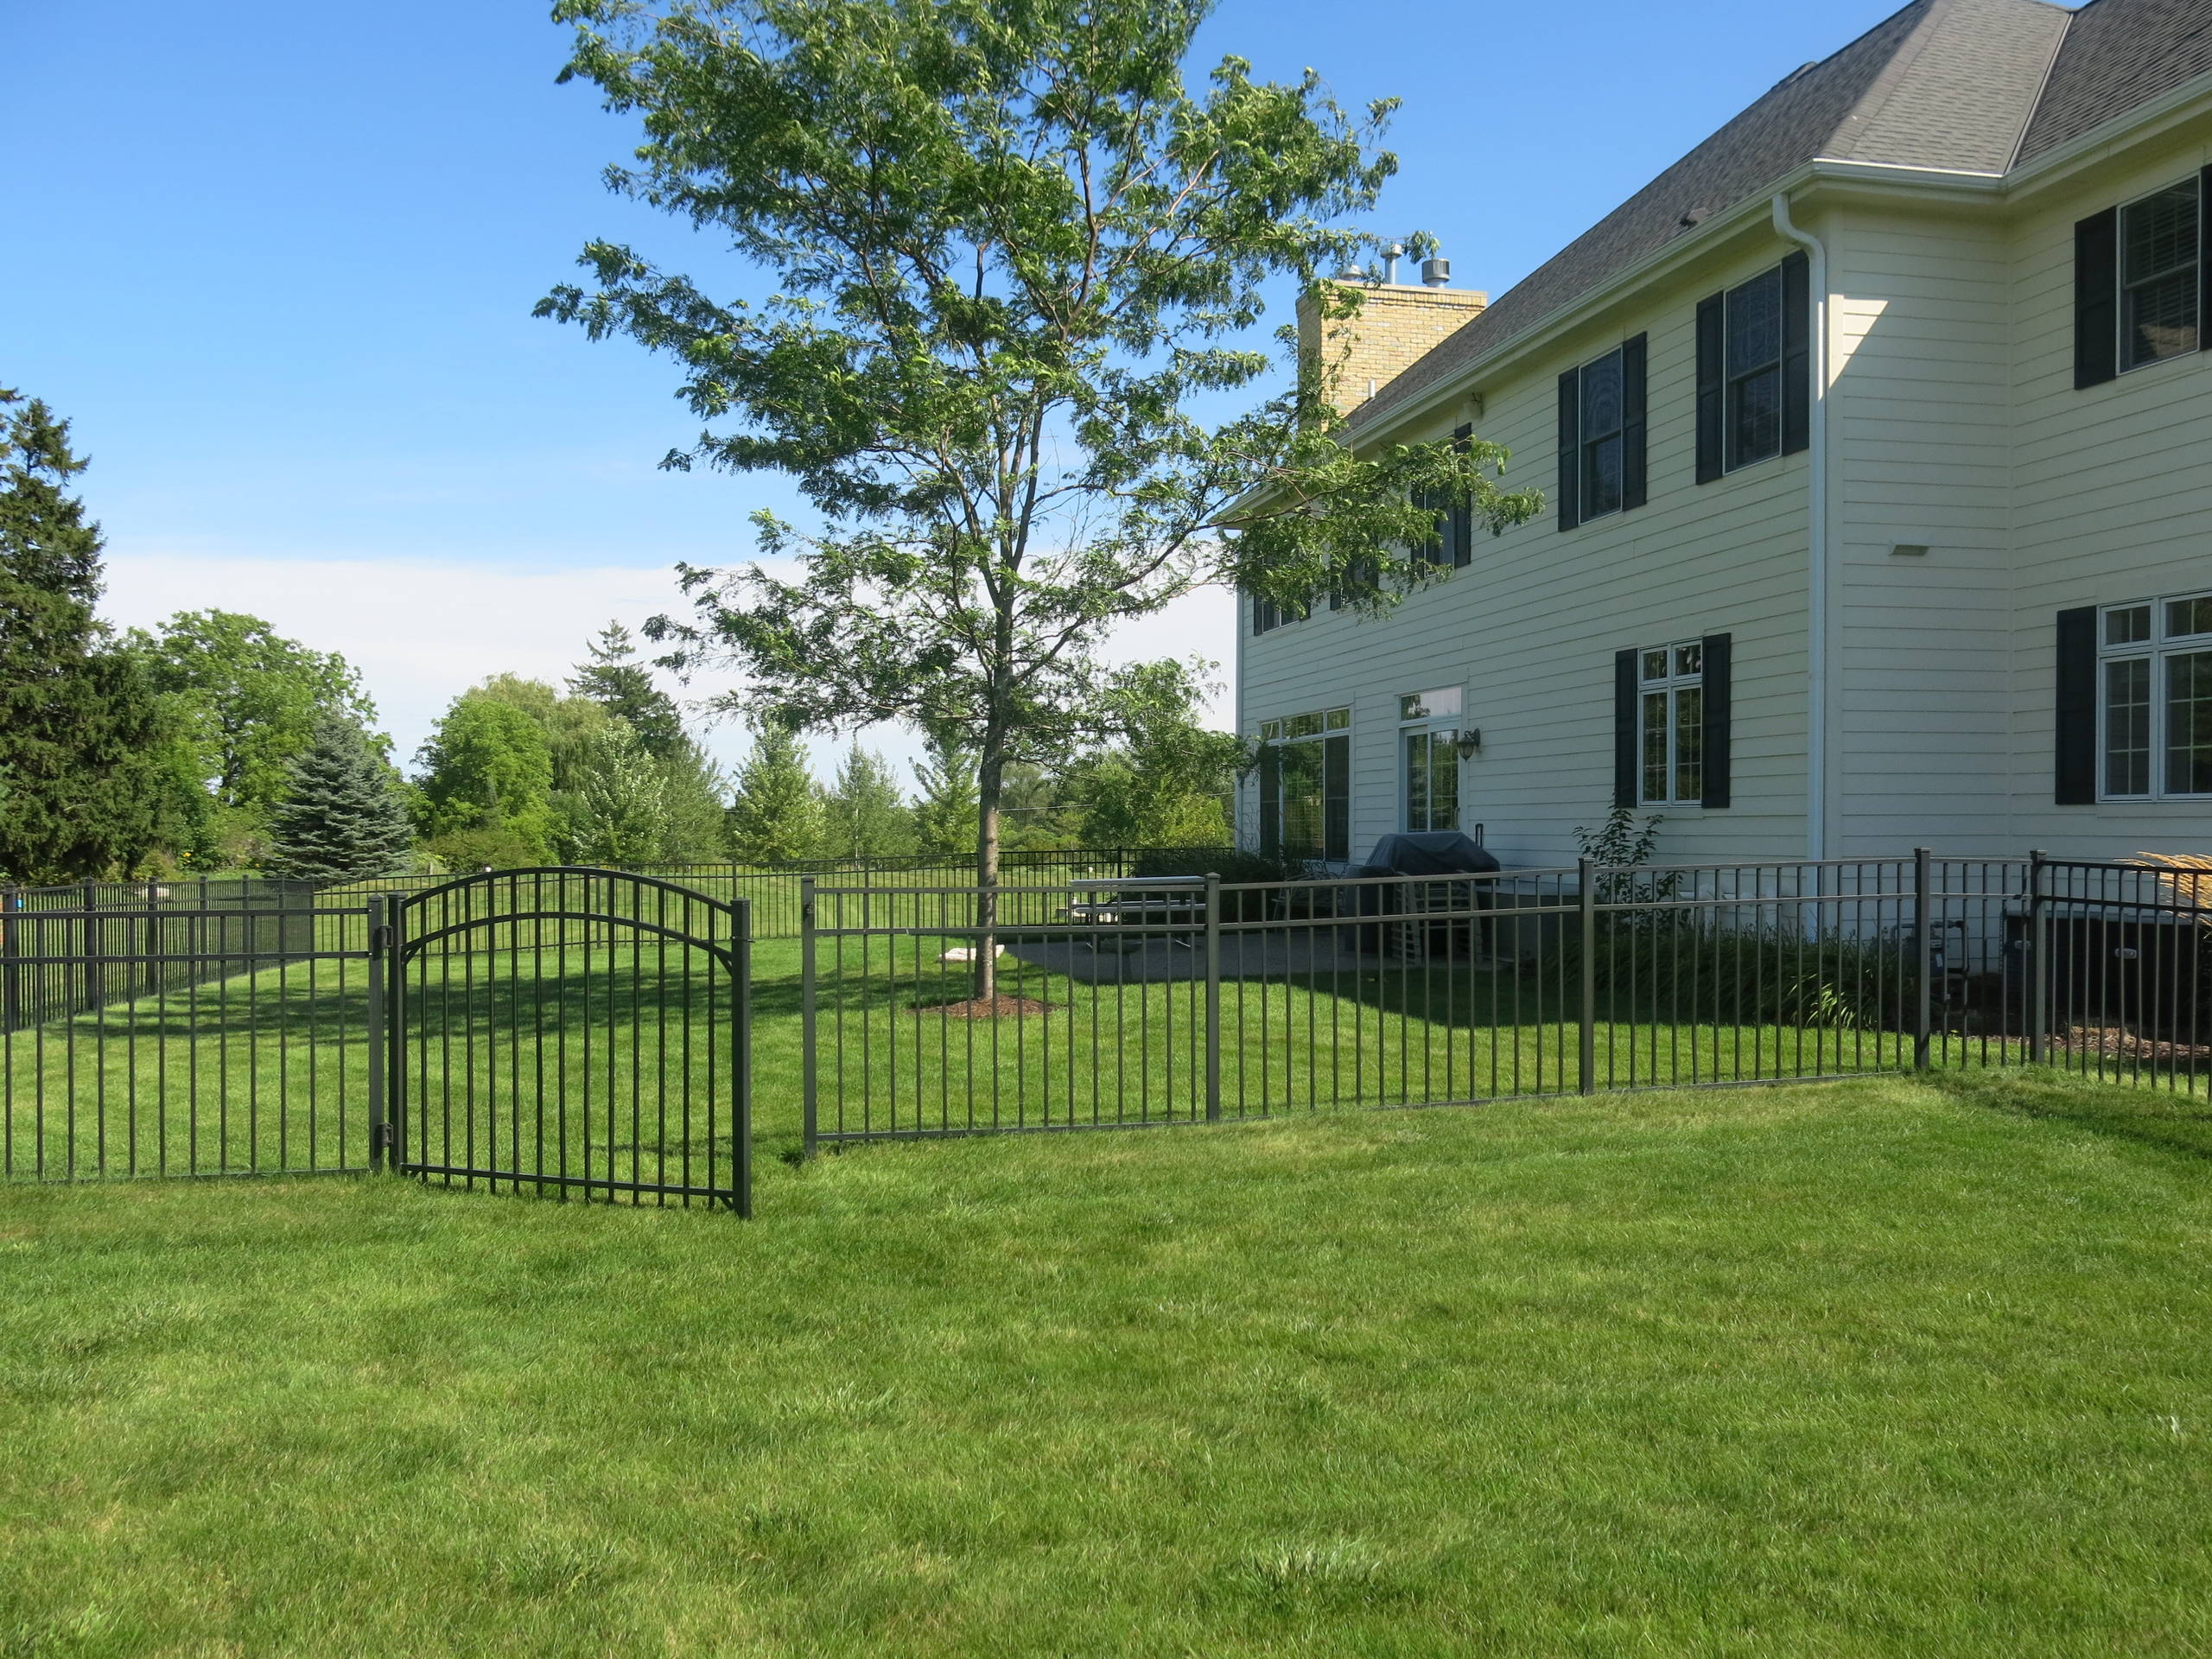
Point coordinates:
[(698, 828), (342, 817), (945, 817), (619, 814), (623, 686), (778, 813), (88, 744), (868, 816)]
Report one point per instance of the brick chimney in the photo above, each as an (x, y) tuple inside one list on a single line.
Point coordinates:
[(1398, 323)]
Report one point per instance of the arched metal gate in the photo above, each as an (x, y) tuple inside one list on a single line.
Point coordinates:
[(568, 1031)]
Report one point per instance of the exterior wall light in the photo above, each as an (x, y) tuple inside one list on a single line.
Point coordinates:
[(1470, 742)]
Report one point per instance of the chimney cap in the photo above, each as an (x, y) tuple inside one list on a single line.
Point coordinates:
[(1435, 273)]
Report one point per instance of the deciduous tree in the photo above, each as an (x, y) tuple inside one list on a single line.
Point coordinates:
[(253, 702), (1166, 780), (486, 776), (1016, 262)]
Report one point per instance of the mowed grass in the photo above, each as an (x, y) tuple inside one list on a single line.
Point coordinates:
[(617, 1063), (1879, 1367)]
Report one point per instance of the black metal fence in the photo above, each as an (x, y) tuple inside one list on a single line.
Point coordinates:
[(1121, 1004), (587, 1030)]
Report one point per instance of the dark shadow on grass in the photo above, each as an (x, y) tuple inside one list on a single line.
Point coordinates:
[(2147, 1115)]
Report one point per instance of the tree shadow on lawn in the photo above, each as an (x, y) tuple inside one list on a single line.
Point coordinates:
[(2142, 1112)]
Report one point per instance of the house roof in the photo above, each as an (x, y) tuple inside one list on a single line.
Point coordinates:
[(1963, 85), (2119, 53)]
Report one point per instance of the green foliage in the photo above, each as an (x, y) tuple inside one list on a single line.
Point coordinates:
[(252, 703), (864, 815), (698, 828), (1168, 780), (620, 814), (342, 817), (778, 811), (571, 725), (1011, 253), (488, 767), (89, 747), (616, 682), (944, 815)]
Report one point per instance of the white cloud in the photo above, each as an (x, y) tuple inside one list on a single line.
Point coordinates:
[(422, 630)]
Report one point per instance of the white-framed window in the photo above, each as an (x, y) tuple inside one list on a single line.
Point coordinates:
[(1670, 738), (1752, 367), (2159, 279), (1428, 748), (2154, 699), (1305, 785)]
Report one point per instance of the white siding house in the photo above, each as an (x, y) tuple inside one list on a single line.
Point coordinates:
[(1869, 511)]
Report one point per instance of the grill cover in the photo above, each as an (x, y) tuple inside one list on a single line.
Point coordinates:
[(1440, 852)]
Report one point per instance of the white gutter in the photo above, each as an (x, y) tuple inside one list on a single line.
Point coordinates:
[(1816, 550)]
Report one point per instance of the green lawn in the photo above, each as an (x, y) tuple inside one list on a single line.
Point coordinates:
[(1873, 1368), (581, 1055)]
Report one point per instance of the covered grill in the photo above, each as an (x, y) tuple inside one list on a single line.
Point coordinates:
[(1409, 924)]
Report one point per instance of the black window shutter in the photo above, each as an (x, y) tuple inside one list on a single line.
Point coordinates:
[(1711, 319), (1796, 354), (1460, 536), (1719, 649), (1627, 773), (2078, 707), (1270, 800), (1570, 449), (2097, 298), (1635, 355), (2204, 259)]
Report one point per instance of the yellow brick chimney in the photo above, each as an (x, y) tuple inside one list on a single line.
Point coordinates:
[(1397, 324)]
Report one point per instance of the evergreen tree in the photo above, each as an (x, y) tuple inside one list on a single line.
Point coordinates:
[(698, 829), (945, 817), (342, 817), (619, 683), (866, 814), (619, 815), (778, 813), (87, 744)]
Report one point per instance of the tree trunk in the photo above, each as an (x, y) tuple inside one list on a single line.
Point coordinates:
[(990, 778)]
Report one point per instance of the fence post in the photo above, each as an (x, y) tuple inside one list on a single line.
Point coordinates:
[(1213, 996), (11, 972), (394, 1034), (741, 1079), (379, 943), (1923, 884), (809, 1075), (2038, 987), (92, 975), (1587, 901)]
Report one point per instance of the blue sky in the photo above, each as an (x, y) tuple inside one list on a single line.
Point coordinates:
[(277, 263)]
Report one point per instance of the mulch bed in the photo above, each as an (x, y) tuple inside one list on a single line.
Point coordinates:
[(994, 1008), (2117, 1042)]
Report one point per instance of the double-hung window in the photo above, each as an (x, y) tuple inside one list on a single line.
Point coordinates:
[(2154, 674), (1601, 434), (2140, 281), (1754, 369), (1602, 411), (2159, 279), (1305, 785), (1428, 741), (1670, 703)]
